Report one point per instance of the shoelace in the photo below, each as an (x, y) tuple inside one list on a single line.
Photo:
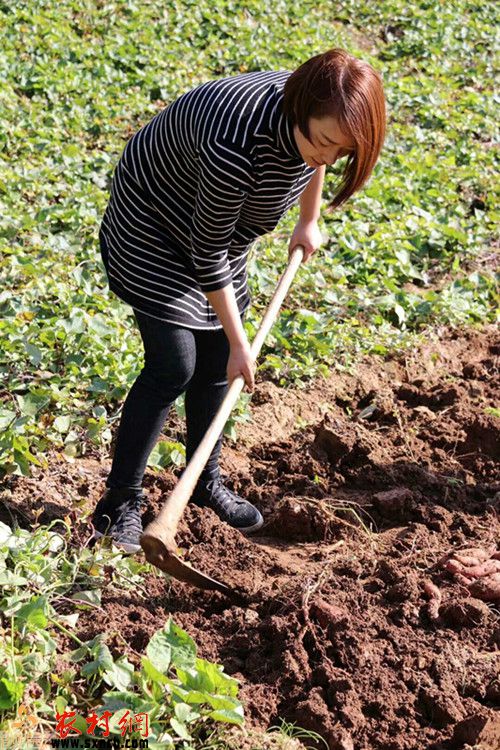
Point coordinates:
[(127, 520), (216, 489)]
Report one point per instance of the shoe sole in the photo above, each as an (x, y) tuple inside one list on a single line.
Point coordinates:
[(250, 529), (243, 529), (124, 546)]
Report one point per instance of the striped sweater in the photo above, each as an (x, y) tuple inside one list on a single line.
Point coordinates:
[(194, 187)]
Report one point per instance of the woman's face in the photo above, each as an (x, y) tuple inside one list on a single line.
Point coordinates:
[(327, 142)]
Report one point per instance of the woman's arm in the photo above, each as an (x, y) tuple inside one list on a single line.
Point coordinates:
[(310, 199), (307, 232), (240, 360), (224, 303), (223, 300)]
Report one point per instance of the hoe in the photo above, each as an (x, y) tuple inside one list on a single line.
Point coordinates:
[(158, 538)]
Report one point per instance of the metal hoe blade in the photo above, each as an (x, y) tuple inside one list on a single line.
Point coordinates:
[(157, 554)]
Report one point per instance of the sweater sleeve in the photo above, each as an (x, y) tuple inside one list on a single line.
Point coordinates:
[(224, 181)]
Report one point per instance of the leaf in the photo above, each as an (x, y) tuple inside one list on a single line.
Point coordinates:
[(34, 665), (5, 532), (62, 423), (34, 354), (208, 678), (403, 256), (48, 644), (8, 578), (92, 596), (60, 704), (183, 646), (32, 403), (70, 450), (118, 701), (194, 697), (10, 693), (6, 417), (69, 620), (179, 729), (102, 661), (102, 653), (184, 712), (11, 604), (232, 716), (171, 646), (120, 674), (97, 324), (400, 312), (223, 702), (152, 673), (159, 652), (80, 723), (34, 613), (165, 453), (56, 542)]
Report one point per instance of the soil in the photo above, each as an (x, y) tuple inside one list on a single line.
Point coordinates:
[(354, 628)]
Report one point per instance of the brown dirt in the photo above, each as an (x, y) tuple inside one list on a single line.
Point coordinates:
[(366, 482)]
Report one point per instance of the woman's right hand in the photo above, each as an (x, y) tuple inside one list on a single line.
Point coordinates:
[(241, 362)]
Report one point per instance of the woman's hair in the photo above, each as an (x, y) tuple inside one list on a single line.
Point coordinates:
[(336, 84)]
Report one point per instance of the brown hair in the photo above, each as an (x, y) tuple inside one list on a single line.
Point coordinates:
[(336, 84)]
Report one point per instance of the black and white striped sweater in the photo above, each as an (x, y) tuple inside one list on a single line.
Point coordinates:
[(192, 190)]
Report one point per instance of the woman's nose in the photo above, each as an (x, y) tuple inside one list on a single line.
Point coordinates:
[(332, 156), (336, 153)]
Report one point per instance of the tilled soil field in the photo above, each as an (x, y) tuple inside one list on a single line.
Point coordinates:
[(374, 586)]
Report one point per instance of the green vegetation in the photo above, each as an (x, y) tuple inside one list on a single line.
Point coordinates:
[(412, 250), (40, 575)]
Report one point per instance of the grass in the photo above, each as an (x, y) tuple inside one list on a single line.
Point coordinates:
[(414, 251)]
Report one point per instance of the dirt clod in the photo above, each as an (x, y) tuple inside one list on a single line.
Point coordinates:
[(482, 730), (465, 612), (394, 504)]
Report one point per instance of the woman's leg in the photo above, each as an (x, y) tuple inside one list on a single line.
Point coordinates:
[(169, 364), (205, 394)]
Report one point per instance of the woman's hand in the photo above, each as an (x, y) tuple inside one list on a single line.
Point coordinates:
[(241, 362), (307, 234)]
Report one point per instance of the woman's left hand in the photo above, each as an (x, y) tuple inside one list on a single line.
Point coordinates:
[(307, 234)]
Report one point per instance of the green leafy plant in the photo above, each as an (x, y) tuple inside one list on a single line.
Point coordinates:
[(179, 691), (411, 250), (39, 572), (493, 410)]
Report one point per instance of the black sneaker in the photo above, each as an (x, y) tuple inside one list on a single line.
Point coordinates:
[(230, 507), (117, 514)]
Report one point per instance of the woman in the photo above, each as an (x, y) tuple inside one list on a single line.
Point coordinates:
[(192, 190)]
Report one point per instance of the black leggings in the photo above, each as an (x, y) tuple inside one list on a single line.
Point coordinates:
[(176, 359)]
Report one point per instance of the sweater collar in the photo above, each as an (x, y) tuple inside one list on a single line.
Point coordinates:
[(283, 130)]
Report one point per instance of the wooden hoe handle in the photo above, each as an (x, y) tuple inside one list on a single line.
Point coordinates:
[(159, 535)]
